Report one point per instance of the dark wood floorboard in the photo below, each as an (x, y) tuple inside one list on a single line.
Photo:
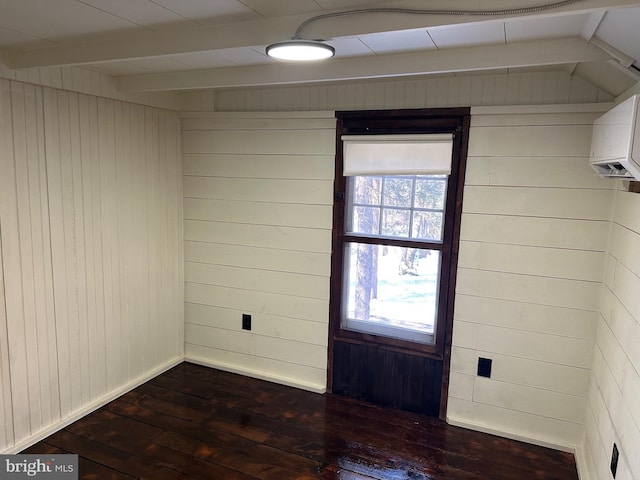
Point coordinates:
[(194, 422)]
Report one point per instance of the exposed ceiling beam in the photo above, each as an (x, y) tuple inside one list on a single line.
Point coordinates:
[(526, 54), (629, 71), (588, 31), (151, 44), (621, 57), (122, 46), (591, 25)]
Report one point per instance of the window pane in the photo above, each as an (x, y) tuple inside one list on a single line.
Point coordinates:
[(391, 291), (366, 190), (398, 191), (365, 220), (395, 223), (430, 192), (427, 225), (397, 206)]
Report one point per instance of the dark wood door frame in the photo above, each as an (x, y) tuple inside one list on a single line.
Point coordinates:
[(438, 120)]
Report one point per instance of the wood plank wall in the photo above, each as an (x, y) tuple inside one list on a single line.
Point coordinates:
[(90, 82), (91, 253), (499, 88), (258, 203), (535, 238), (534, 241), (613, 413), (533, 245)]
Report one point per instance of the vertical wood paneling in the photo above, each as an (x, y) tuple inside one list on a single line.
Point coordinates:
[(89, 252), (81, 335), (126, 226), (106, 188), (529, 88), (151, 126), (80, 80), (171, 214), (528, 273), (237, 196), (60, 187), (387, 378), (12, 263), (122, 162), (6, 413), (142, 236), (141, 205), (81, 197), (92, 182), (48, 348), (7, 435), (22, 154)]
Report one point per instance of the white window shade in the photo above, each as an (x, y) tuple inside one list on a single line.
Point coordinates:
[(424, 154)]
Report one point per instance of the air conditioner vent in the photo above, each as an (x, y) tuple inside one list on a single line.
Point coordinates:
[(615, 141), (612, 170)]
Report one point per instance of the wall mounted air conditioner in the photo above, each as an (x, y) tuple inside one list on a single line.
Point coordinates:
[(615, 141)]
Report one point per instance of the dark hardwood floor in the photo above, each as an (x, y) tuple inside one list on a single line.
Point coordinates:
[(195, 422)]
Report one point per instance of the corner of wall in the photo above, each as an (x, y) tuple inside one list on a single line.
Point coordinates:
[(91, 213), (259, 374), (96, 404), (582, 462), (614, 393)]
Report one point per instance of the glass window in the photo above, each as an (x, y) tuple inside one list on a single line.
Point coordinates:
[(392, 290), (397, 206)]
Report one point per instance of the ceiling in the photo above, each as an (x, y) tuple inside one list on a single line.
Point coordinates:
[(186, 44)]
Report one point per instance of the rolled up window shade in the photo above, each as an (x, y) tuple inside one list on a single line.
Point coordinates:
[(424, 154)]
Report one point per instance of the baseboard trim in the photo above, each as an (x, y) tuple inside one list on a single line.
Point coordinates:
[(311, 387), (464, 423), (100, 402)]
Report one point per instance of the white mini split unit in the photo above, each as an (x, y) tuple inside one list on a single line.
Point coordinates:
[(615, 141)]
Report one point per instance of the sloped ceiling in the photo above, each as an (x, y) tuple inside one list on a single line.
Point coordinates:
[(186, 44)]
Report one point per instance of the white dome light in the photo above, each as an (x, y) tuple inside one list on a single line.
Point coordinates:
[(300, 50)]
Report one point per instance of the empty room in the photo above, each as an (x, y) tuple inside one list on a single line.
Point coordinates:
[(330, 239)]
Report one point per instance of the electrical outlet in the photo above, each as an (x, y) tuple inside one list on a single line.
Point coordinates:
[(484, 367), (614, 460), (246, 321)]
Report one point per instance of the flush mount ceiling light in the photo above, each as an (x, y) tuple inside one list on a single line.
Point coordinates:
[(300, 50)]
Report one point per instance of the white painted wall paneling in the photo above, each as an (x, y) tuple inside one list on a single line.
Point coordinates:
[(522, 88), (90, 82), (91, 234), (532, 253), (6, 409), (7, 435), (613, 413), (562, 233), (529, 295), (258, 206)]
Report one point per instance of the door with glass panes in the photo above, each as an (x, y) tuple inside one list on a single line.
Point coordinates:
[(398, 192)]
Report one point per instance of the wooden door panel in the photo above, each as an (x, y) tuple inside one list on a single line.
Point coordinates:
[(387, 378)]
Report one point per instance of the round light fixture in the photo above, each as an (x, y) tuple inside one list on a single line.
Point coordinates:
[(300, 50)]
